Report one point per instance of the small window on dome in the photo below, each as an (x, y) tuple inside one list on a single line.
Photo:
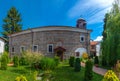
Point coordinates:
[(82, 38)]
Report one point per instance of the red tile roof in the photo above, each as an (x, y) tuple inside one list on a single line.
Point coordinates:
[(93, 43)]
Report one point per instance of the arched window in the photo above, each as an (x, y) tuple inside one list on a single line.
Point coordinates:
[(82, 38)]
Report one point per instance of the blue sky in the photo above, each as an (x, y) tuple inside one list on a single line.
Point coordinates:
[(36, 13)]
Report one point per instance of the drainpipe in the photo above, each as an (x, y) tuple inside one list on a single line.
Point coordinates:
[(10, 46), (31, 38)]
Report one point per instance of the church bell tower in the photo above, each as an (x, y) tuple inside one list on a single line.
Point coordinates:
[(81, 23)]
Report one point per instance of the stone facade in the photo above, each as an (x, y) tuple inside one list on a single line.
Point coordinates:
[(59, 36)]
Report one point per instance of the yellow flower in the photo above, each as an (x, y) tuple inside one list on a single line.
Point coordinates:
[(110, 76)]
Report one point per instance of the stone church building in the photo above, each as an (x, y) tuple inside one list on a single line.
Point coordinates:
[(62, 41)]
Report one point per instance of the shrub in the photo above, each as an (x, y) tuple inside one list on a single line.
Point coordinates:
[(96, 60), (57, 60), (7, 56), (84, 60), (23, 61), (77, 65), (47, 63), (35, 75), (16, 61), (110, 76), (32, 57), (85, 55), (36, 65), (104, 61), (88, 71), (117, 68), (71, 61), (21, 78), (4, 62)]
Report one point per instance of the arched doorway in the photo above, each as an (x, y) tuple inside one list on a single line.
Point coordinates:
[(79, 52), (59, 51)]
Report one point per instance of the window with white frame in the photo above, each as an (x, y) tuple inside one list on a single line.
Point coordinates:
[(35, 48), (22, 49), (82, 38), (50, 48)]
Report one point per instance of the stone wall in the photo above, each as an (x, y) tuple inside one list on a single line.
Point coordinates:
[(70, 40)]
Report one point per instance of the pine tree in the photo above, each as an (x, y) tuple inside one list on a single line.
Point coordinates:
[(12, 23), (105, 24)]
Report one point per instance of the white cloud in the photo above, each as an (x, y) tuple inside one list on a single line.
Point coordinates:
[(103, 3), (92, 10), (99, 38), (98, 17)]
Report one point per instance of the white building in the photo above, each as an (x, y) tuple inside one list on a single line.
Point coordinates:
[(2, 45), (98, 48), (95, 48)]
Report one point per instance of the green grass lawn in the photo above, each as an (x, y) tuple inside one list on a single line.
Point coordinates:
[(62, 73), (12, 72), (66, 73)]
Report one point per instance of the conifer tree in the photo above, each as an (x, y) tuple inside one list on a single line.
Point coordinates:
[(111, 39), (12, 23)]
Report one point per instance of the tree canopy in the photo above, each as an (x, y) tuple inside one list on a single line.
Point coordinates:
[(111, 36)]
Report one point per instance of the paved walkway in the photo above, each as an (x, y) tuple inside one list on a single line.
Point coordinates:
[(97, 70)]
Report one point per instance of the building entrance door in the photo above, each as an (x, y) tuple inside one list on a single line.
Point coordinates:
[(59, 51), (60, 54)]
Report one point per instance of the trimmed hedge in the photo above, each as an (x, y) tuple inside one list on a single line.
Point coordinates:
[(96, 60), (77, 65), (88, 71), (71, 61), (16, 61), (4, 61)]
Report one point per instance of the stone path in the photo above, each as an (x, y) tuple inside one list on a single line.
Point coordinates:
[(97, 70)]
